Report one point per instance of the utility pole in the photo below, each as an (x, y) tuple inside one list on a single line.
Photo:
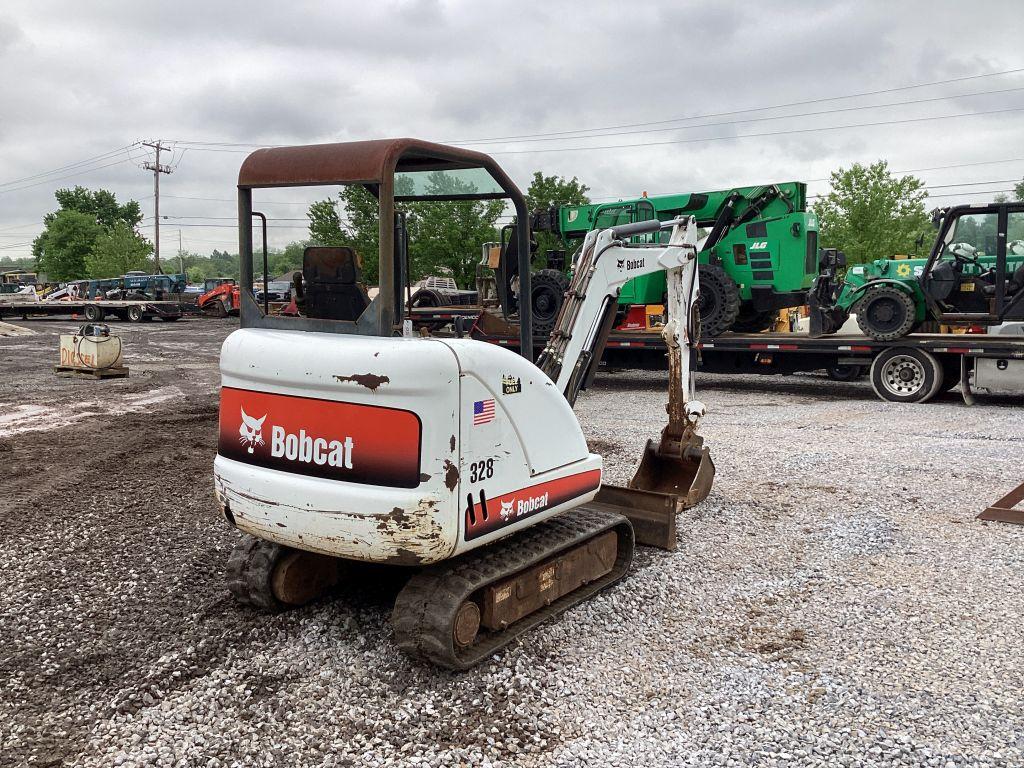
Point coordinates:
[(157, 169)]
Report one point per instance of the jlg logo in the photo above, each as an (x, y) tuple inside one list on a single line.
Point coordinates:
[(758, 245)]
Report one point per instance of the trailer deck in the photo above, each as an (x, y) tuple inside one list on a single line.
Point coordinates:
[(939, 361), (94, 310)]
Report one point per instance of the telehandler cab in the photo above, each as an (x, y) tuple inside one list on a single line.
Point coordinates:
[(344, 437), (974, 275)]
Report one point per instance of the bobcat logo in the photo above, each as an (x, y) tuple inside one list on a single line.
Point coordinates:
[(506, 509), (620, 263), (250, 433)]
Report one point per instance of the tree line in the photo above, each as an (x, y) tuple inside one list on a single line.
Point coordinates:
[(869, 213)]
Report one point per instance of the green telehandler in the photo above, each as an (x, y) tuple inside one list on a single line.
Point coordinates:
[(974, 275), (759, 255)]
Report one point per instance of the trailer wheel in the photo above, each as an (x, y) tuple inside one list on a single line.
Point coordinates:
[(845, 372), (905, 375), (135, 314), (93, 313), (718, 301), (950, 372), (886, 313)]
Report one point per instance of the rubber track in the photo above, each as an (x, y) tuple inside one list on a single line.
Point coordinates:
[(249, 571), (425, 609)]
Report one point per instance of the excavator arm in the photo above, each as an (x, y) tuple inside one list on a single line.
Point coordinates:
[(678, 465)]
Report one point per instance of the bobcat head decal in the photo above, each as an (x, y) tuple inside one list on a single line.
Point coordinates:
[(250, 433), (506, 509)]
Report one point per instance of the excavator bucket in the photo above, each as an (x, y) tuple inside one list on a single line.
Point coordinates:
[(677, 466), (681, 468)]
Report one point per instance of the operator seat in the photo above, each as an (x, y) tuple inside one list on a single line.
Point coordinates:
[(331, 284), (1014, 283)]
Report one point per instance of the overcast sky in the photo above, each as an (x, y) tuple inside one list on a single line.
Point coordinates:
[(83, 81)]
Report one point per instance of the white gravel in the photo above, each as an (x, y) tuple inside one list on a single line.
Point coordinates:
[(833, 602)]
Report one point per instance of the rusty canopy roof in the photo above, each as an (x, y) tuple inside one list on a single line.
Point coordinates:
[(359, 161)]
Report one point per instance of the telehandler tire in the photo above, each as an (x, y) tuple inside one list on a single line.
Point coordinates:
[(886, 313), (719, 300), (547, 294), (753, 321)]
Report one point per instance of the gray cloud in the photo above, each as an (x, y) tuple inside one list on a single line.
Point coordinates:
[(82, 79)]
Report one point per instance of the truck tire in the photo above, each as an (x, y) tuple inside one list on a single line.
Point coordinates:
[(886, 313), (751, 321), (719, 300), (93, 313), (906, 375), (839, 372), (547, 293), (136, 314)]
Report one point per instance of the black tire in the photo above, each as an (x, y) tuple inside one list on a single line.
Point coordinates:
[(547, 293), (950, 372), (250, 570), (751, 321), (845, 372), (93, 313), (136, 314), (886, 313), (719, 300), (906, 375)]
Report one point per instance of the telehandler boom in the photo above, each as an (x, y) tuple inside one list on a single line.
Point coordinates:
[(343, 439)]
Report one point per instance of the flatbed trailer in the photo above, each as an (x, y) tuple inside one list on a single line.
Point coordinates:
[(95, 311), (913, 369)]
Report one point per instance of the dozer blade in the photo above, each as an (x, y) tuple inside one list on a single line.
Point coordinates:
[(678, 467), (653, 515)]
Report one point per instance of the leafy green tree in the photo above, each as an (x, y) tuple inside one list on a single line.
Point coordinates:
[(116, 252), (27, 263), (71, 232), (445, 235), (1018, 190), (101, 204), (871, 214), (63, 247), (551, 192)]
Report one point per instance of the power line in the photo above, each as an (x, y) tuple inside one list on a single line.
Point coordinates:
[(757, 135), (772, 117), (99, 157), (750, 109), (61, 178)]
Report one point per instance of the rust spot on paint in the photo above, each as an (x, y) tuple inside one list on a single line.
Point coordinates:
[(398, 515), (451, 475), (369, 380), (424, 477), (404, 556), (453, 443)]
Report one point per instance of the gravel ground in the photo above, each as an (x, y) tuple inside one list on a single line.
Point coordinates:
[(833, 602)]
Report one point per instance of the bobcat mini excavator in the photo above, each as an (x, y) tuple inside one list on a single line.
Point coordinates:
[(344, 437)]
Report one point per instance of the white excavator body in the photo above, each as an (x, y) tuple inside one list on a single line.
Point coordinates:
[(399, 450)]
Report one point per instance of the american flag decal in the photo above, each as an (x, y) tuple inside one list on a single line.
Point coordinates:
[(483, 412)]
